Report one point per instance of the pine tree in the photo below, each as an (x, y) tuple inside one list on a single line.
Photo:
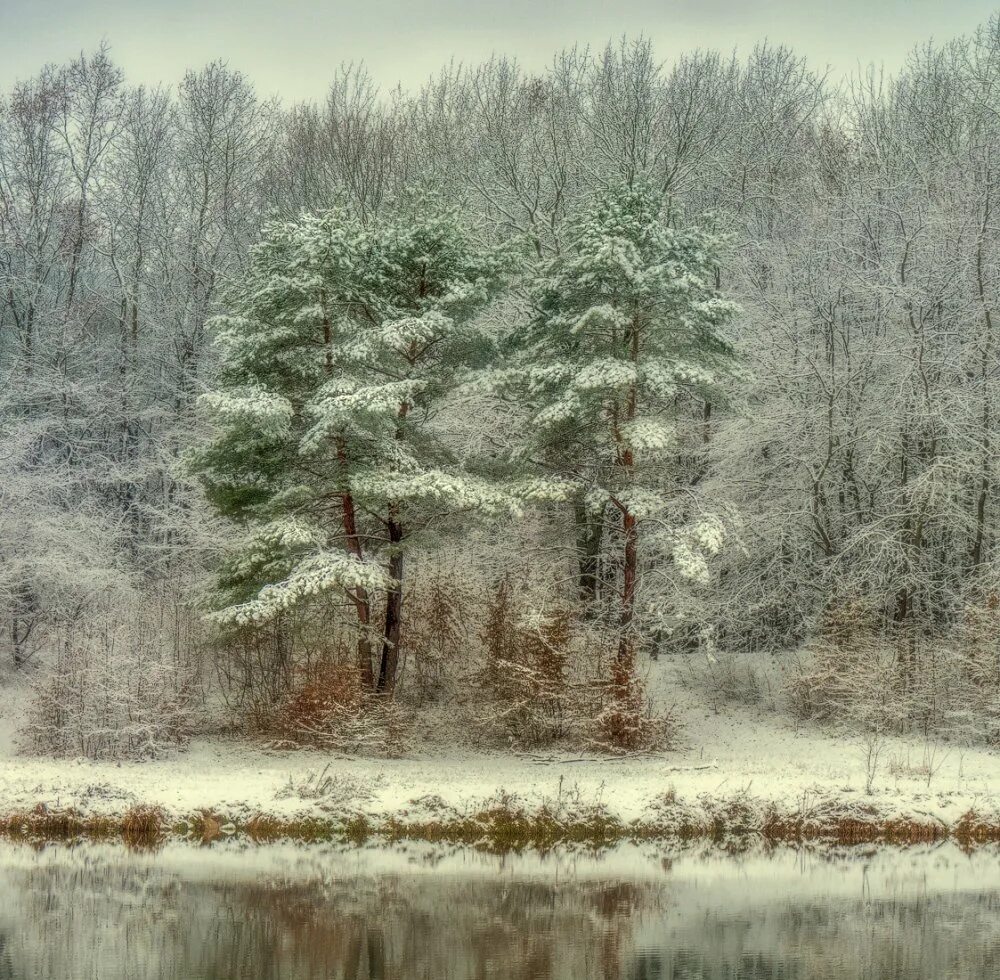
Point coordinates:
[(626, 321), (341, 346)]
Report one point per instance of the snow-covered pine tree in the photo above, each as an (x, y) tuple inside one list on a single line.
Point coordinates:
[(289, 311), (625, 321), (420, 290), (342, 344)]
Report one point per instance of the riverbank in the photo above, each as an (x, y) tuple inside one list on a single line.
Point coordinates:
[(734, 773), (506, 822)]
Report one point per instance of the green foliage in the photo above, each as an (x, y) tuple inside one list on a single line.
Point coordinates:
[(627, 331), (630, 314), (342, 341)]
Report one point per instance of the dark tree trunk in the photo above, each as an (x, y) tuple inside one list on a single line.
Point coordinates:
[(393, 608), (978, 551), (630, 553), (630, 569), (589, 535), (358, 596), (394, 598)]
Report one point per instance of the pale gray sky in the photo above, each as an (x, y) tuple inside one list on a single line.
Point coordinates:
[(292, 47)]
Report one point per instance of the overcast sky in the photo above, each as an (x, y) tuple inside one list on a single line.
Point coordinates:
[(291, 47)]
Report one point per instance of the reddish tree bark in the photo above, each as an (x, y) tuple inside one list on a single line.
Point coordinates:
[(358, 596)]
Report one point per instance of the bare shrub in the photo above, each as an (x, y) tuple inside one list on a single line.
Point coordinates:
[(114, 688), (729, 678), (977, 637), (932, 758), (330, 710), (873, 744), (334, 789), (830, 683), (905, 681), (435, 632), (524, 683), (253, 665), (258, 666), (847, 673), (544, 682), (625, 720)]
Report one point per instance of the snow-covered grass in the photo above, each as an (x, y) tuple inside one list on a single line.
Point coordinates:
[(736, 765)]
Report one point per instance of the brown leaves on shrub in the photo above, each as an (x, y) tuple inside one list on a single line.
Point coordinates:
[(329, 709), (544, 682)]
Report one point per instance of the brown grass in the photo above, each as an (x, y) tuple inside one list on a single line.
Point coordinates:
[(505, 824), (143, 826), (973, 829)]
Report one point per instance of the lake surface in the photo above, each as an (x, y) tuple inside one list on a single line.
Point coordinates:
[(636, 913)]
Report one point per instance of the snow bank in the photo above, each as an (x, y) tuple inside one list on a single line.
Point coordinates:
[(750, 765)]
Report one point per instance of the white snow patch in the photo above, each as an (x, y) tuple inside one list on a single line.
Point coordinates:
[(734, 753)]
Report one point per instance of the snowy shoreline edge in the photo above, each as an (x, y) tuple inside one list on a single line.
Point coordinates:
[(509, 822)]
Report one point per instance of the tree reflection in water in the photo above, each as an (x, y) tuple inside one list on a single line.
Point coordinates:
[(103, 912)]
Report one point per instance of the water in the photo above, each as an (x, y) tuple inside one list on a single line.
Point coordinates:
[(287, 912)]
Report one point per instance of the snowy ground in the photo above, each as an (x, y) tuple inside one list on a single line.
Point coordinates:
[(737, 752)]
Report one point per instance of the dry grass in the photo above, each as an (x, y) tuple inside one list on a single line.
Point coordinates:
[(973, 829), (507, 823)]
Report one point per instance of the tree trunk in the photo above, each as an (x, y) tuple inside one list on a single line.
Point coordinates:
[(393, 608), (631, 563), (358, 596), (978, 550), (394, 598), (589, 535)]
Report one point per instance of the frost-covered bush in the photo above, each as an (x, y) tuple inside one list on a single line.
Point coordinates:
[(731, 678), (439, 629), (832, 683), (259, 666), (544, 682), (330, 709), (331, 790), (623, 719), (908, 682), (115, 688), (525, 695)]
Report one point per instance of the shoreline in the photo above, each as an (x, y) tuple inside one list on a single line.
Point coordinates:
[(507, 823), (746, 773)]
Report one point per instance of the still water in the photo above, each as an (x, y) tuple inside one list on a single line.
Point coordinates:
[(96, 911)]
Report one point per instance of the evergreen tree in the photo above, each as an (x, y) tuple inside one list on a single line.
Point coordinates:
[(342, 344), (626, 321)]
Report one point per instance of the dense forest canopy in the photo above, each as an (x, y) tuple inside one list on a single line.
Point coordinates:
[(791, 286)]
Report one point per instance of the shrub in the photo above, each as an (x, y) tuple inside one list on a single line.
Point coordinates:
[(259, 665), (537, 685), (730, 678), (903, 680), (333, 790), (330, 710), (113, 690), (435, 632), (525, 672), (625, 721)]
